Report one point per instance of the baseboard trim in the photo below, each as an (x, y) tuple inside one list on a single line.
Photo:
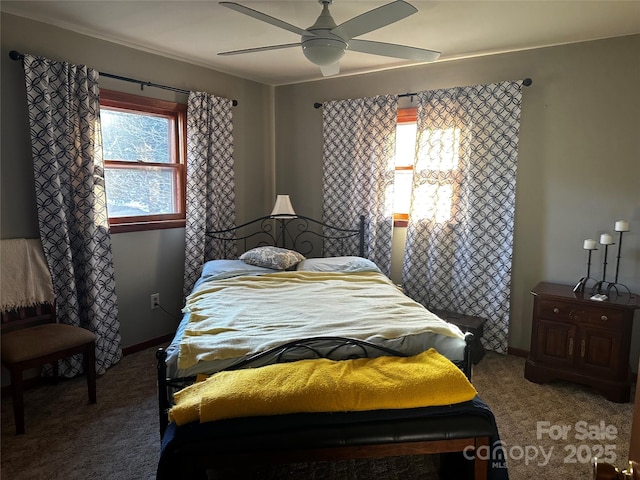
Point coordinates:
[(138, 347), (517, 352)]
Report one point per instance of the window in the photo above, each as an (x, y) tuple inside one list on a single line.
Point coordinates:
[(406, 132), (436, 164), (143, 142)]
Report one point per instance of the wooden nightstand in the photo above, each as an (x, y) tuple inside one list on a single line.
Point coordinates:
[(467, 323), (581, 340)]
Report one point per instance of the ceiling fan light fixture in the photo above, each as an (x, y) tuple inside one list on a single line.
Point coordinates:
[(323, 51), (324, 43)]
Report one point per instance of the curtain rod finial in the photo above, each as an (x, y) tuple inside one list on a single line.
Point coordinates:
[(14, 55), (317, 105), (527, 81)]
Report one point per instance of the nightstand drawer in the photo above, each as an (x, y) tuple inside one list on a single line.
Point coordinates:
[(555, 310), (572, 312)]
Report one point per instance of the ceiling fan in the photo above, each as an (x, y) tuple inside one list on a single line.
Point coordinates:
[(324, 43)]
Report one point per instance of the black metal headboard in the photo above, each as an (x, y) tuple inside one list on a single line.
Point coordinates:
[(296, 232)]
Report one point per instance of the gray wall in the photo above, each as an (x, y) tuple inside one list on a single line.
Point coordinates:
[(579, 154), (145, 262)]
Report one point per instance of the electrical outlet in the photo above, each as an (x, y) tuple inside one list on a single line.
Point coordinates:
[(155, 301)]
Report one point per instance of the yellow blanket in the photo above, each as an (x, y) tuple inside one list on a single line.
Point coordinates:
[(427, 379), (240, 316)]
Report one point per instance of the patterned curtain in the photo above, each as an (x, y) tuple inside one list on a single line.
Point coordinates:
[(64, 116), (210, 184), (359, 146), (460, 233)]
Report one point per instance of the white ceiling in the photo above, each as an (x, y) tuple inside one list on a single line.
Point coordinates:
[(195, 31)]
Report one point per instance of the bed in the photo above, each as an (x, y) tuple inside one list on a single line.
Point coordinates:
[(283, 307)]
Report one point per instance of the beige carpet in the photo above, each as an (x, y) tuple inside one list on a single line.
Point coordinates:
[(118, 437)]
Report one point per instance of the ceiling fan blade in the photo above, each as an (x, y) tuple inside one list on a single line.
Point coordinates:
[(374, 19), (329, 70), (393, 50), (263, 17), (259, 49)]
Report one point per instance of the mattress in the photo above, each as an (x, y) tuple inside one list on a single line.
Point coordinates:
[(237, 310)]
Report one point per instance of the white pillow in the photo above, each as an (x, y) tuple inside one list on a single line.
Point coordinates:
[(215, 268), (272, 257), (338, 264)]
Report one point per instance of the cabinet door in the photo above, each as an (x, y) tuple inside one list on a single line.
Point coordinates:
[(600, 352), (556, 343)]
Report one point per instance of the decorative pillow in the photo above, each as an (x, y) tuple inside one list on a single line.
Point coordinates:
[(272, 257), (338, 264)]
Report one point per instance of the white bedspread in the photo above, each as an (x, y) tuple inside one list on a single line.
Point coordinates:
[(234, 317)]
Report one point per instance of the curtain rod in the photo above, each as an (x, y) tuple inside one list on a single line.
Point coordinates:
[(14, 55), (526, 82)]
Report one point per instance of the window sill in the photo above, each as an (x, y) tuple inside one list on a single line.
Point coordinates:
[(400, 223), (143, 226)]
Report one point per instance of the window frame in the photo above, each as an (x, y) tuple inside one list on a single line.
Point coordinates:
[(177, 113), (405, 115)]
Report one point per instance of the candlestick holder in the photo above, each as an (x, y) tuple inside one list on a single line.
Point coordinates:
[(598, 287), (614, 286), (582, 283)]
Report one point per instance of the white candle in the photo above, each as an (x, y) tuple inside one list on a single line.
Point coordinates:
[(606, 239), (589, 244), (622, 226)]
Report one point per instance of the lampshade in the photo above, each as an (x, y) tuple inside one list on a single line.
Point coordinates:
[(282, 207)]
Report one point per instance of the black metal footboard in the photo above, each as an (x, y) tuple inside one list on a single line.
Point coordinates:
[(284, 353)]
